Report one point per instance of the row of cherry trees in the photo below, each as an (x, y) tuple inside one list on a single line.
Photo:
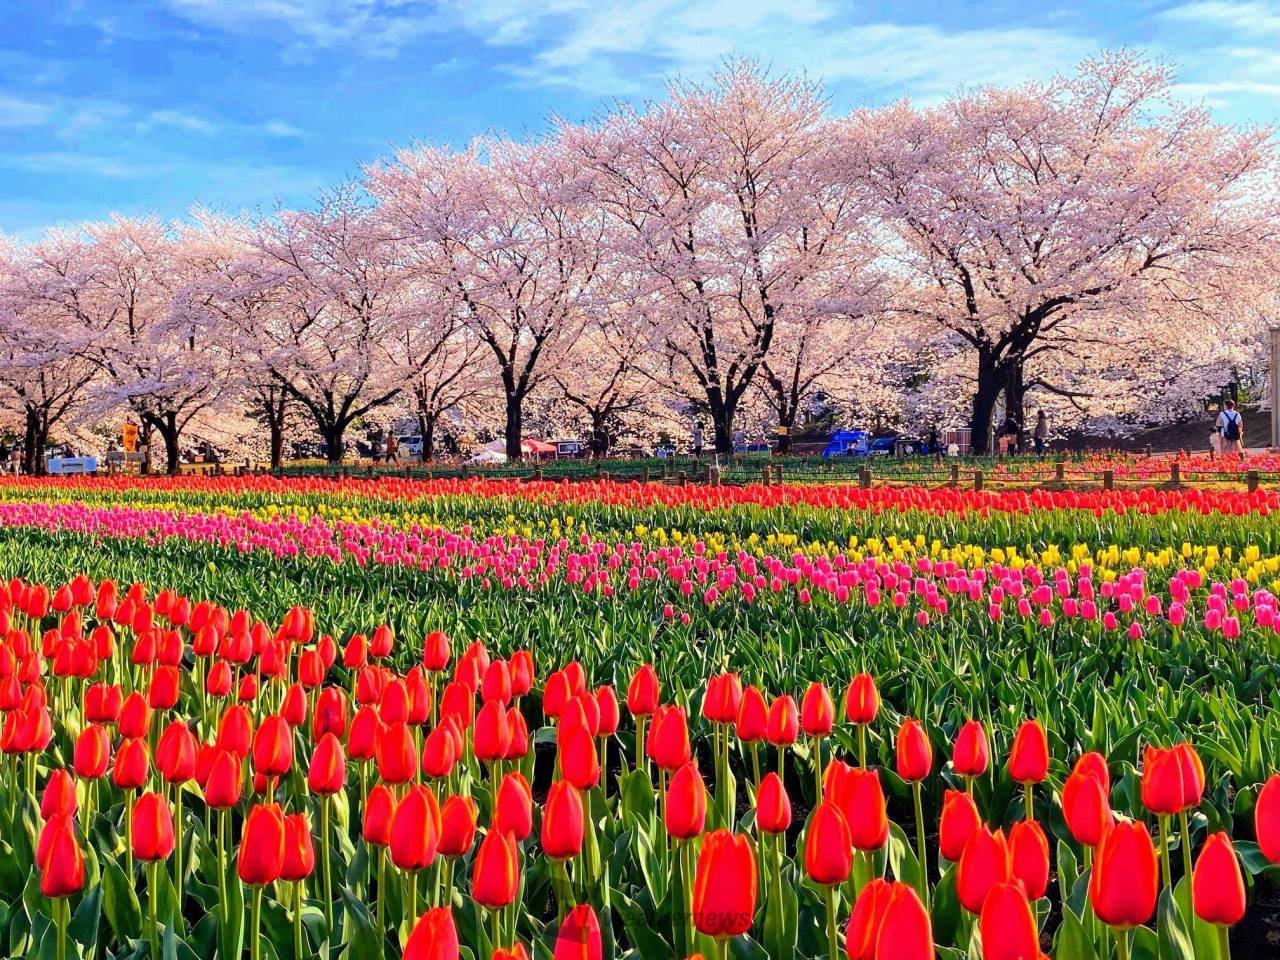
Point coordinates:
[(1087, 240)]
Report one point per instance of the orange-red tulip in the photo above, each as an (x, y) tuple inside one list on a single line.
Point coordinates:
[(1125, 876), (724, 888), (495, 876), (1217, 887), (563, 822), (828, 848)]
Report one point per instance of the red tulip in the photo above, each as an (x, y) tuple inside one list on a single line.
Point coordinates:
[(752, 724), (379, 810), (1086, 807), (579, 763), (858, 795), (92, 753), (514, 807), (262, 845), (495, 877), (1029, 856), (299, 850), (62, 866), (273, 747), (176, 753), (972, 756), (889, 922), (434, 937), (828, 848), (1008, 926), (817, 712), (984, 863), (135, 716), (1217, 887), (1125, 877), (225, 783), (362, 738), (643, 691), (668, 740), (397, 754), (59, 797), (1192, 774), (415, 830), (435, 651), (492, 735), (685, 810), (914, 752), (1163, 792), (784, 722), (959, 820), (579, 936), (563, 822), (457, 826), (773, 806), (862, 700), (151, 830), (724, 888), (132, 764), (327, 773), (1029, 757), (1266, 819)]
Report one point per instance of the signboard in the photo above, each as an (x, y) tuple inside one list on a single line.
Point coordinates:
[(129, 437)]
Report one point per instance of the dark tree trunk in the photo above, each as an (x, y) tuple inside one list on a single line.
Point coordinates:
[(427, 430), (515, 423), (166, 424), (35, 439), (599, 434), (277, 445), (332, 433), (990, 383), (722, 410), (144, 442)]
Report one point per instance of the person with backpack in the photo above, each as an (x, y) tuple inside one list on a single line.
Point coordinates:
[(1231, 429)]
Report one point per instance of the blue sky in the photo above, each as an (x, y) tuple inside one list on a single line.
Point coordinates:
[(149, 107)]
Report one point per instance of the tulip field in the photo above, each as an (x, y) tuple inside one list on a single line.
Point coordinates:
[(491, 719)]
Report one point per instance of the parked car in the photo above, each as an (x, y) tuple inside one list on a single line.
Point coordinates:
[(410, 445)]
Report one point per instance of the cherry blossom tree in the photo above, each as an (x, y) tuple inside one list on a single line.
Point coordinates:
[(508, 231), (44, 366), (326, 336), (724, 198), (1032, 218)]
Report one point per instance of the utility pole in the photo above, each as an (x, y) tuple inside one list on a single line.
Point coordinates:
[(1275, 387)]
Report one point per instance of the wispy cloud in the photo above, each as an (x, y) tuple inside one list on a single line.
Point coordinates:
[(377, 28), (22, 112), (180, 120), (1253, 16), (278, 128)]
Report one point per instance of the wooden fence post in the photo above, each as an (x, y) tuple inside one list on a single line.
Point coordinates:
[(977, 480), (864, 478), (1108, 480), (1251, 480)]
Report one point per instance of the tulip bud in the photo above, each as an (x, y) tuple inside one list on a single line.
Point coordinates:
[(151, 830), (434, 936), (415, 830), (513, 809), (972, 756), (828, 848), (984, 863), (773, 806), (1266, 819), (685, 810), (327, 773), (1124, 883), (1217, 887), (495, 876), (299, 849), (1029, 757), (579, 936), (1008, 926), (724, 888), (563, 822), (817, 712), (862, 700), (262, 845), (914, 752)]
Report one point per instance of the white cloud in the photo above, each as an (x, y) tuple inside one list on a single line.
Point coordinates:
[(278, 128), (1251, 16), (18, 112), (378, 27), (179, 120), (81, 164), (627, 49)]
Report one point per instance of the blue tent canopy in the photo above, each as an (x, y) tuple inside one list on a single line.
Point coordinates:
[(847, 443)]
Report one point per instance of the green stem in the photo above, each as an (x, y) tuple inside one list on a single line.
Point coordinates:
[(833, 935), (1185, 827), (1029, 801), (1122, 944), (177, 830), (862, 746), (297, 920), (496, 915), (921, 852), (60, 911), (382, 898), (1224, 942), (153, 901), (817, 771), (328, 867), (255, 921), (1164, 850), (128, 834)]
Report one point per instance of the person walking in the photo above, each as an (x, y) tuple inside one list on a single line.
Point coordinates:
[(1231, 428), (1040, 435), (697, 440)]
